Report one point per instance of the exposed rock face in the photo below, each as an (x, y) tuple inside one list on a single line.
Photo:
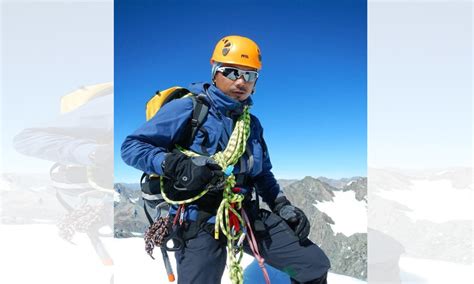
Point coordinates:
[(286, 182), (309, 190), (348, 254), (359, 186), (129, 217)]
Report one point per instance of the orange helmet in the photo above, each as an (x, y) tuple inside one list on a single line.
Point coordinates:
[(237, 50)]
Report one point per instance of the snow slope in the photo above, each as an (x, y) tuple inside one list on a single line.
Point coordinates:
[(421, 271), (132, 262), (36, 254), (443, 201), (348, 214)]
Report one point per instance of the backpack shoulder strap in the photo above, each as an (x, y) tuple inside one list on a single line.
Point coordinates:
[(200, 111)]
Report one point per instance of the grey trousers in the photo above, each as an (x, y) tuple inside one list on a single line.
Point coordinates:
[(203, 259)]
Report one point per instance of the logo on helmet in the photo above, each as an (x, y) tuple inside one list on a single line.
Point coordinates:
[(226, 48), (244, 56)]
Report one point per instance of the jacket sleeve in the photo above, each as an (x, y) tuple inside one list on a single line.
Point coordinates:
[(265, 182), (145, 149)]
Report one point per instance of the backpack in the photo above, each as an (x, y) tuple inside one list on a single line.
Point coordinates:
[(154, 204), (83, 95)]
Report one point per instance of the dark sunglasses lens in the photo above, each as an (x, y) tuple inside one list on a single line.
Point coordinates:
[(234, 74), (231, 73), (250, 76)]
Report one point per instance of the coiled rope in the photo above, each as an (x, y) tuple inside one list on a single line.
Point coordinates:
[(232, 201)]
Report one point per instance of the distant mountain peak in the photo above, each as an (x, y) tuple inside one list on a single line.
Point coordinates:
[(310, 188), (339, 183)]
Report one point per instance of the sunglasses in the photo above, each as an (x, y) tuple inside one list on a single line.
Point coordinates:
[(235, 73)]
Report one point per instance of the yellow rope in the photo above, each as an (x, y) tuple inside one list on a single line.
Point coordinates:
[(179, 202), (226, 160)]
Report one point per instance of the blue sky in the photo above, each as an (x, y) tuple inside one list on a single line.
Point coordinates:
[(312, 92)]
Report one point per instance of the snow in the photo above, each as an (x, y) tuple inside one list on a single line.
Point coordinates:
[(132, 262), (342, 279), (116, 196), (36, 254), (4, 185), (444, 172), (416, 270), (348, 214), (37, 188), (443, 201)]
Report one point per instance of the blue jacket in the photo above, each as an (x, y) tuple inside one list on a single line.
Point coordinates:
[(145, 149)]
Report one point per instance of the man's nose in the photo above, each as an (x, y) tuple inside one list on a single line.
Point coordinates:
[(240, 81)]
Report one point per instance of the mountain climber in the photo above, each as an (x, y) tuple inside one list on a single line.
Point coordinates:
[(80, 143), (281, 236)]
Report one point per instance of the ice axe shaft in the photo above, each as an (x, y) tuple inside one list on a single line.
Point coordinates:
[(169, 269)]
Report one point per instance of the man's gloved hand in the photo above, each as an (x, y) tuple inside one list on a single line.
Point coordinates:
[(293, 216), (191, 173)]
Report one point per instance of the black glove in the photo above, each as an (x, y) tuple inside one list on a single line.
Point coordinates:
[(191, 173), (293, 216)]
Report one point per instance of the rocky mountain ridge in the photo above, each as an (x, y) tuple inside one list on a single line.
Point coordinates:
[(348, 254)]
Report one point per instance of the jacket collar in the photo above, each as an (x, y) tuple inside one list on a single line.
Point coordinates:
[(223, 103)]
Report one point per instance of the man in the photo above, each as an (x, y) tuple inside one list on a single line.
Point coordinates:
[(281, 235), (79, 142)]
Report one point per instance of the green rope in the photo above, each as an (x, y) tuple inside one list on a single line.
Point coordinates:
[(227, 158), (179, 202)]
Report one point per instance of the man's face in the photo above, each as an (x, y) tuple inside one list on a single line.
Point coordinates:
[(239, 89)]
